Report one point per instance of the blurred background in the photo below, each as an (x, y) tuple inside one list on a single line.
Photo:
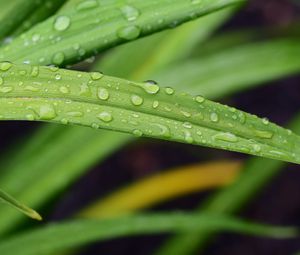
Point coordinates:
[(277, 203)]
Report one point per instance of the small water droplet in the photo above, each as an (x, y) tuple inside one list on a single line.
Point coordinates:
[(136, 100), (105, 116), (58, 58), (129, 32), (64, 121), (188, 137), (265, 121), (214, 117), (88, 4), (96, 76), (200, 99), (130, 13), (34, 71), (64, 90), (57, 77), (103, 93), (155, 104), (263, 134), (62, 23), (256, 147), (29, 117), (35, 37), (137, 133), (187, 125), (75, 114), (31, 88), (169, 91), (227, 137)]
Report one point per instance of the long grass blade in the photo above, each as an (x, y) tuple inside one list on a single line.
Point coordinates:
[(4, 197), (73, 36), (229, 200), (56, 237), (141, 109)]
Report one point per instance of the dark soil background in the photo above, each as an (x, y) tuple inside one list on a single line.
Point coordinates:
[(278, 203)]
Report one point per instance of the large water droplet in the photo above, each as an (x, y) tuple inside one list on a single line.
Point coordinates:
[(136, 100), (151, 87), (62, 23), (129, 32), (130, 13), (263, 134), (103, 93), (105, 116)]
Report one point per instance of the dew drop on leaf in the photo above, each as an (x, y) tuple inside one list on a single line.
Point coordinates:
[(4, 66), (169, 91), (155, 104), (96, 76), (6, 89), (129, 12), (227, 137), (214, 117), (62, 23), (136, 100), (129, 32), (88, 4), (103, 93), (58, 58), (105, 116), (151, 87), (200, 99), (137, 133)]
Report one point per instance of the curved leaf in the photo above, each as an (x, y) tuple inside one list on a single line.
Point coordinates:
[(57, 237), (164, 186), (70, 37), (142, 109)]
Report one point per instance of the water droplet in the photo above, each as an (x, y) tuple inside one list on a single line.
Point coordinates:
[(263, 134), (35, 37), (96, 76), (164, 131), (75, 114), (136, 100), (129, 32), (88, 4), (64, 90), (151, 87), (29, 117), (103, 94), (130, 12), (31, 88), (57, 77), (62, 23), (200, 99), (47, 112), (188, 137), (105, 116), (227, 137), (34, 71), (169, 91), (155, 104), (64, 121), (4, 66), (137, 133), (195, 1), (6, 89), (265, 121), (214, 117), (256, 147), (58, 58), (187, 125)]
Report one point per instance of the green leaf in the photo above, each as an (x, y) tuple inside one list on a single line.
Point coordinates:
[(238, 68), (229, 200), (142, 109), (56, 237), (48, 8), (13, 13), (56, 40), (4, 197)]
